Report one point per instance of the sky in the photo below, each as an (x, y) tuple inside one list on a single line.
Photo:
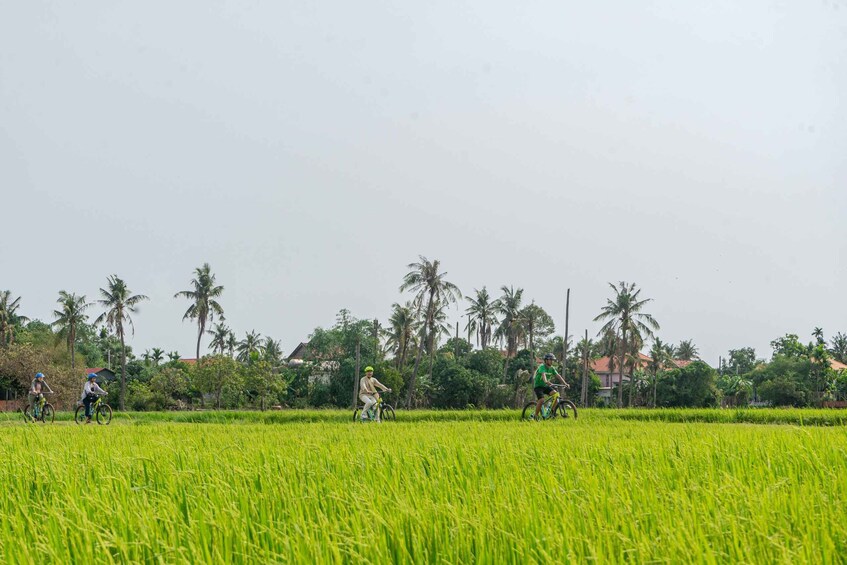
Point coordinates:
[(309, 151)]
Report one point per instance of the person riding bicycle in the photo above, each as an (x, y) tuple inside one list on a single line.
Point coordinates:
[(541, 384), (90, 391), (36, 392), (368, 392)]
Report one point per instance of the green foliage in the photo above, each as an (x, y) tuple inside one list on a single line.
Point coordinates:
[(693, 386), (219, 377), (789, 346)]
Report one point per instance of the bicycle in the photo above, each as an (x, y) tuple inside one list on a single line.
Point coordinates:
[(40, 411), (386, 411), (101, 411), (564, 409)]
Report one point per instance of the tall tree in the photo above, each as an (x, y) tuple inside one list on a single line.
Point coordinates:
[(509, 309), (838, 347), (9, 317), (536, 323), (430, 287), (482, 316), (402, 325), (686, 351), (231, 344), (203, 307), (623, 313), (220, 335), (817, 333), (69, 316), (271, 351), (660, 360), (119, 303), (157, 356)]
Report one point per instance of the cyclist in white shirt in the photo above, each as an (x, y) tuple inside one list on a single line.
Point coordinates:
[(368, 393), (90, 391)]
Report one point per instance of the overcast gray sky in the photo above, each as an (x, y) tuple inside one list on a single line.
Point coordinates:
[(310, 150)]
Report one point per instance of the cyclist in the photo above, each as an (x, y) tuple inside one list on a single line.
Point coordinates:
[(542, 387), (368, 393), (90, 391), (36, 392)]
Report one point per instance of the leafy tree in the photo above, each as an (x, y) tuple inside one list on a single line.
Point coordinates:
[(735, 388), (9, 317), (660, 360), (487, 362), (482, 316), (119, 303), (430, 287), (536, 323), (789, 346), (68, 319), (203, 307), (454, 345), (624, 315), (509, 309), (686, 350), (261, 379), (215, 373), (693, 386), (783, 381), (740, 361)]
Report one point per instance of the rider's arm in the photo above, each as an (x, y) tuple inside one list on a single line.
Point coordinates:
[(50, 390), (379, 384), (561, 378), (95, 388)]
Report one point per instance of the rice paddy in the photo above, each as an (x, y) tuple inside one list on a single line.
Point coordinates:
[(469, 487)]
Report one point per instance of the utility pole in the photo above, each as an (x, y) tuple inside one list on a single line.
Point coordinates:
[(356, 376), (583, 396), (565, 343)]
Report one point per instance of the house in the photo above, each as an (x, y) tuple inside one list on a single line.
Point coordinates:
[(297, 357), (609, 378), (189, 361), (104, 375)]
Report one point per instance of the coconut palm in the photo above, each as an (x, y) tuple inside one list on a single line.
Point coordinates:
[(686, 351), (402, 325), (660, 360), (9, 317), (250, 344), (231, 344), (68, 318), (430, 288), (173, 356), (509, 309), (220, 334), (203, 304), (119, 303), (482, 316), (271, 351), (623, 315), (838, 347)]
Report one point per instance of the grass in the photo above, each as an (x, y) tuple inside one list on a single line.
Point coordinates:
[(429, 488)]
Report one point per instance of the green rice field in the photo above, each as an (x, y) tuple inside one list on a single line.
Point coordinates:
[(432, 487)]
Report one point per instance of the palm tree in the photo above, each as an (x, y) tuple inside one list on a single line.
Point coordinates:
[(686, 351), (9, 317), (248, 345), (220, 334), (271, 351), (119, 303), (431, 287), (624, 315), (482, 316), (68, 319), (157, 356), (509, 308), (838, 347), (817, 333), (660, 360), (402, 325), (174, 356), (203, 304), (231, 344)]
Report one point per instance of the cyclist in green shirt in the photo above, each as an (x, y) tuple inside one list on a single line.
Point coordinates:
[(541, 384)]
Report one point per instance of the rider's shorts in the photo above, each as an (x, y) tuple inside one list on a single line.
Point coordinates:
[(542, 391)]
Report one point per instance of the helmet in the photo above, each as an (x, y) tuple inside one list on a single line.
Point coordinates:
[(549, 357), (369, 369), (92, 376), (39, 375)]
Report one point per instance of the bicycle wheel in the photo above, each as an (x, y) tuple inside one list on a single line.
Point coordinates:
[(48, 414), (79, 414), (104, 414), (26, 415), (566, 409), (356, 414), (387, 412), (528, 411)]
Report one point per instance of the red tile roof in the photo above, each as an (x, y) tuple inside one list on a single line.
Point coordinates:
[(189, 361), (837, 365), (601, 365)]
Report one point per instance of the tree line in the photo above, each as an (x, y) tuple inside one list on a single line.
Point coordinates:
[(426, 360)]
